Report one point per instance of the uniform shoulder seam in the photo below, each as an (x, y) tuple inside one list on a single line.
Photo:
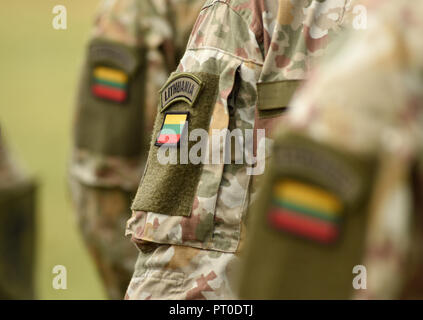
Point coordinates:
[(211, 3)]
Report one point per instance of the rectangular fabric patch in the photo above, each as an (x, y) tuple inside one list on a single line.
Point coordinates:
[(172, 128), (305, 210), (170, 189), (110, 84)]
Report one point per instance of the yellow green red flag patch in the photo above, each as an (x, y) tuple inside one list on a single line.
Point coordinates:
[(109, 84), (305, 210), (172, 128)]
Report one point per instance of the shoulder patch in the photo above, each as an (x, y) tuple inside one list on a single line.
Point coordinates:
[(315, 187), (182, 87), (174, 124)]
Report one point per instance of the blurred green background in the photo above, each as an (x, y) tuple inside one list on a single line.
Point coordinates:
[(40, 68)]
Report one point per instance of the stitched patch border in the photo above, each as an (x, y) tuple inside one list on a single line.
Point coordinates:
[(181, 87)]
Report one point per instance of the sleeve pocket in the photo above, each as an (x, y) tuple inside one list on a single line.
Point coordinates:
[(109, 118)]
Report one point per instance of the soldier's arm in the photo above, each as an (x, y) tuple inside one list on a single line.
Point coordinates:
[(134, 46), (185, 212), (338, 191), (366, 104), (109, 136)]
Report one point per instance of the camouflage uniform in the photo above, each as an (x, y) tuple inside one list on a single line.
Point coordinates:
[(359, 148), (134, 46), (17, 228), (189, 219)]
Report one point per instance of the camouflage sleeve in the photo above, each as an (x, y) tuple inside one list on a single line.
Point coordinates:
[(358, 119), (134, 46), (229, 58), (110, 133), (188, 216), (109, 127)]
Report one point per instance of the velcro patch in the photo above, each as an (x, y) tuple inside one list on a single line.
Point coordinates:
[(182, 87), (173, 126), (305, 210), (109, 83)]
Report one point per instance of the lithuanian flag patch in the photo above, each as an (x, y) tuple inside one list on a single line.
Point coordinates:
[(110, 84), (305, 210), (172, 128)]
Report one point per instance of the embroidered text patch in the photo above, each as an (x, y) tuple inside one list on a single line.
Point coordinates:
[(182, 87)]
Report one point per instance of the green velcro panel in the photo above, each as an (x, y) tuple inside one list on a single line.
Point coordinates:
[(108, 127), (170, 189), (301, 268), (274, 97), (17, 241)]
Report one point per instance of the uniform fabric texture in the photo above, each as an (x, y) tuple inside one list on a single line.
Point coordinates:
[(109, 120)]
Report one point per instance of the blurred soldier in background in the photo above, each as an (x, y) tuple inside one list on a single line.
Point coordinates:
[(343, 188), (134, 46), (17, 228), (188, 219)]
